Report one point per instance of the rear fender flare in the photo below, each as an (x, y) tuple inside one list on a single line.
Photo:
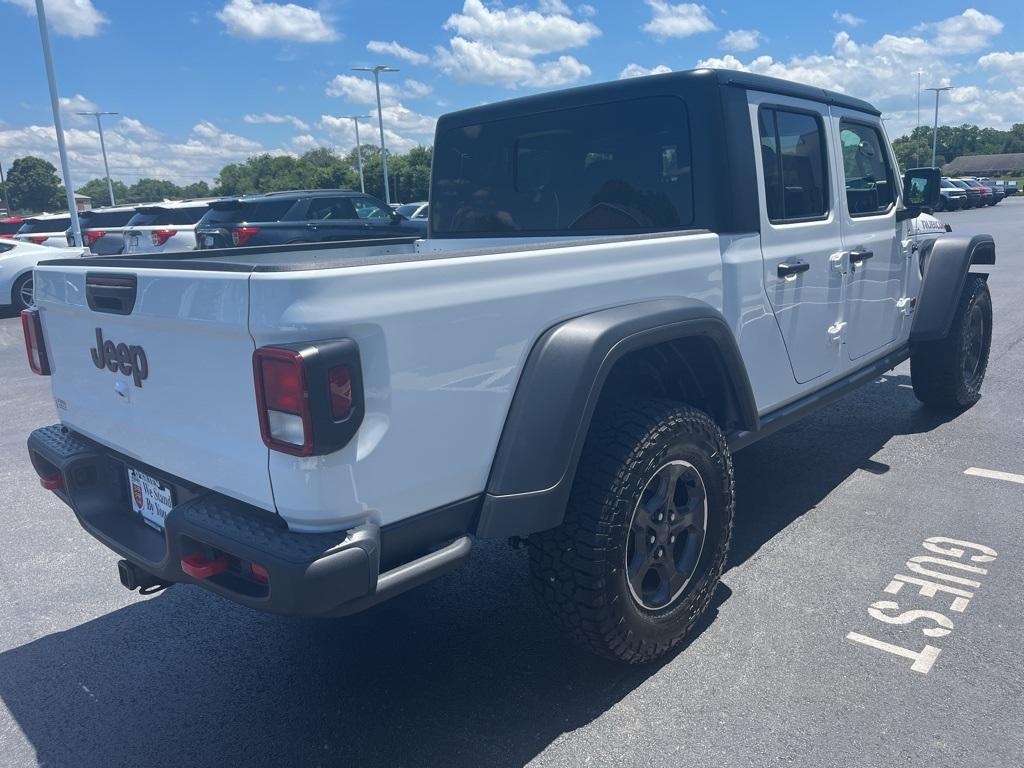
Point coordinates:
[(561, 383)]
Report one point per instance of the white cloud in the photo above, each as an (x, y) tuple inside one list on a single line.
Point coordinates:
[(1005, 63), (70, 106), (414, 89), (847, 19), (72, 18), (881, 72), (970, 31), (682, 20), (586, 10), (360, 90), (342, 132), (255, 20), (636, 70), (267, 118), (741, 40), (397, 50), (502, 46), (519, 32), (304, 142)]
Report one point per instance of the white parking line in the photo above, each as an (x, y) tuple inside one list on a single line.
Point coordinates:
[(994, 475)]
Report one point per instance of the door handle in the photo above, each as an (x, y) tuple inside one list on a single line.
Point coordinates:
[(861, 254), (311, 226), (786, 270)]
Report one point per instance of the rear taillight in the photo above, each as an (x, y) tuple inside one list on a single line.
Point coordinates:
[(37, 239), (286, 422), (161, 236), (32, 325), (309, 396), (92, 235), (241, 235)]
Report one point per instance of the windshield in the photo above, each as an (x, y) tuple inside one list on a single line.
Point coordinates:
[(94, 219), (602, 168), (407, 210), (31, 226), (153, 216), (235, 211)]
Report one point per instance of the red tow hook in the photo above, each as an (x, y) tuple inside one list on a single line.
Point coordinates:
[(52, 482), (198, 567)]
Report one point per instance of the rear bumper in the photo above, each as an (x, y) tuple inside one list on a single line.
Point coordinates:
[(307, 574)]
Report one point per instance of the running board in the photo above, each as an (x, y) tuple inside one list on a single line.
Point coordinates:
[(782, 417)]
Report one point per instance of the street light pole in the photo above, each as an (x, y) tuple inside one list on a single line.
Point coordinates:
[(103, 147), (380, 120), (359, 150), (919, 73), (44, 36), (935, 128)]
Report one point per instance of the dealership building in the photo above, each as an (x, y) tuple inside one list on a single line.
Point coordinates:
[(1008, 164)]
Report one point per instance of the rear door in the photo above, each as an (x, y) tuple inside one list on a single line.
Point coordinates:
[(800, 236), (878, 267), (191, 410)]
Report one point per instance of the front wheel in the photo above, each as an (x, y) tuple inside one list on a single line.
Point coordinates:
[(948, 373), (640, 552)]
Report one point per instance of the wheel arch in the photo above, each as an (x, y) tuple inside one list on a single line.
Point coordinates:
[(677, 348), (946, 261), (16, 279)]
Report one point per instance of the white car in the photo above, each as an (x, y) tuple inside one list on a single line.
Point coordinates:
[(167, 226), (49, 229), (17, 260)]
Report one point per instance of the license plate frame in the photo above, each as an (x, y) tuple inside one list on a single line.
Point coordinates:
[(151, 498)]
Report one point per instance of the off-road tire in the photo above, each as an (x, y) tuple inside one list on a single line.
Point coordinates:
[(579, 569), (942, 371)]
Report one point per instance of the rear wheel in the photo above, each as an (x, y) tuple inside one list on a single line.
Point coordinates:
[(22, 292), (948, 373), (636, 561)]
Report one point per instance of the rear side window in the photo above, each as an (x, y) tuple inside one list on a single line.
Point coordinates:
[(99, 219), (45, 225), (795, 163), (869, 179), (596, 169), (236, 211), (330, 209)]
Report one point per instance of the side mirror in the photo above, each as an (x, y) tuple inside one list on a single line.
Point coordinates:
[(920, 192)]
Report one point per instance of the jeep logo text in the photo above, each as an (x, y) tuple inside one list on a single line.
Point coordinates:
[(129, 360)]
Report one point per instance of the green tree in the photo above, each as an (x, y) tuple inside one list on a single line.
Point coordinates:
[(33, 185), (153, 190), (97, 190), (196, 189)]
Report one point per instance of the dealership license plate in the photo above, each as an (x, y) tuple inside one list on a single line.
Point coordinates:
[(133, 243), (208, 241), (151, 498)]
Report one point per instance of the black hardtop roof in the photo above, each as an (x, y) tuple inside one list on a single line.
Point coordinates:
[(635, 87)]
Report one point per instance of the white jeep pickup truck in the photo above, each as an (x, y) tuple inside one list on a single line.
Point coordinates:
[(593, 327)]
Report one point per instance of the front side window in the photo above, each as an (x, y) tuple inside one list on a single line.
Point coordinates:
[(368, 209), (330, 209), (594, 169), (870, 189), (795, 163)]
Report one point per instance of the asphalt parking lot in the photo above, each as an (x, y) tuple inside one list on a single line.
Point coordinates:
[(466, 671)]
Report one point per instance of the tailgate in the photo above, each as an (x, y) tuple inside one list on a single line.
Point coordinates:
[(190, 410)]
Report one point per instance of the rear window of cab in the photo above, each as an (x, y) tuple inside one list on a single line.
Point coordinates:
[(608, 168)]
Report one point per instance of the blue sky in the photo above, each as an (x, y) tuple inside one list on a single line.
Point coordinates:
[(200, 83)]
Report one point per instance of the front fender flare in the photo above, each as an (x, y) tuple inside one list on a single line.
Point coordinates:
[(945, 273), (550, 415)]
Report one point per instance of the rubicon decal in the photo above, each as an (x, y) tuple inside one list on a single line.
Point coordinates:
[(129, 359)]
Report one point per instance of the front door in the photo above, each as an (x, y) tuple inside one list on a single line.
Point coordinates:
[(800, 240), (878, 267)]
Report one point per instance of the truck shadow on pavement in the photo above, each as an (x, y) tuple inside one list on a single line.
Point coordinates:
[(463, 671)]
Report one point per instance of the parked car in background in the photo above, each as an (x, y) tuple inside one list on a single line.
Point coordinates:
[(10, 226), (996, 189), (951, 197), (169, 226), (17, 260), (988, 197), (102, 229), (46, 229), (312, 216), (974, 199), (413, 211)]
